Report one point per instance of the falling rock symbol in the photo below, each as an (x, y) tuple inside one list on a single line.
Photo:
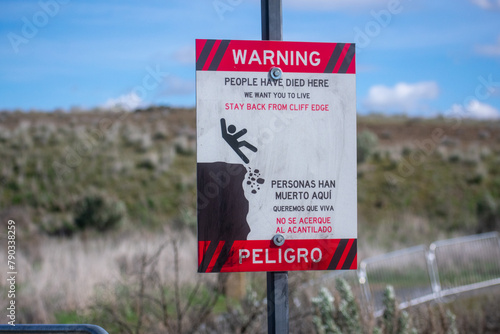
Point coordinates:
[(254, 180)]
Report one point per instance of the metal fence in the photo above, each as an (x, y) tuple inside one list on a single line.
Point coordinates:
[(406, 270), (420, 274), (466, 264)]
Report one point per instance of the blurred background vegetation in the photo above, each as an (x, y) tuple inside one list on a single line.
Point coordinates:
[(72, 172), (120, 188)]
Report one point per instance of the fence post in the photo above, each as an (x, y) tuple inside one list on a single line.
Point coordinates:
[(363, 281), (434, 272)]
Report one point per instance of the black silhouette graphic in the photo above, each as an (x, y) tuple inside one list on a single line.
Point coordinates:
[(229, 135), (222, 212)]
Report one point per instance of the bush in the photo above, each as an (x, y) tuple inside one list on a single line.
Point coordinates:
[(332, 320), (98, 211), (346, 317), (488, 214), (145, 302), (367, 141)]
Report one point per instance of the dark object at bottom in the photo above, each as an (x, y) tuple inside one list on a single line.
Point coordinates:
[(79, 329)]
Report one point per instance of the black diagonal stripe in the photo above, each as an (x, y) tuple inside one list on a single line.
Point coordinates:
[(338, 254), (223, 257), (204, 54), (351, 255), (208, 256), (218, 55), (334, 58), (348, 59)]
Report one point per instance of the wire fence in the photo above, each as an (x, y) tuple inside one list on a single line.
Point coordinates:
[(424, 273)]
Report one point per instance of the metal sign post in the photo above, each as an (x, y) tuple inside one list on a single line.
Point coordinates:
[(276, 158), (272, 27), (277, 282)]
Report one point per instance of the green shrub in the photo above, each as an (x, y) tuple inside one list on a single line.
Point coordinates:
[(98, 211), (452, 325), (328, 319), (488, 213), (57, 224), (394, 320), (367, 141), (346, 318), (389, 315), (349, 319), (323, 321)]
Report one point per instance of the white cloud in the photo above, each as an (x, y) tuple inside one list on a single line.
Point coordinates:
[(334, 4), (129, 102), (403, 97), (487, 4), (490, 50), (474, 109)]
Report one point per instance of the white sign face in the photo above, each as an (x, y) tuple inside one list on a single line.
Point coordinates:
[(276, 156)]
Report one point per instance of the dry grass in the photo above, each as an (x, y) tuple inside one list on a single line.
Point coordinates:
[(69, 270)]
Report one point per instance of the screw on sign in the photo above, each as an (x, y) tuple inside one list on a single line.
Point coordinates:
[(275, 73), (279, 240)]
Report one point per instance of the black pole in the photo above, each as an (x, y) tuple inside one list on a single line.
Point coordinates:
[(277, 302), (272, 27), (277, 282)]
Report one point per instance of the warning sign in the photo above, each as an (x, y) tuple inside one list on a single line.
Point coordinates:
[(276, 157)]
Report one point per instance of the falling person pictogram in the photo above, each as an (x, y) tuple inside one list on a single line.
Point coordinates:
[(231, 137)]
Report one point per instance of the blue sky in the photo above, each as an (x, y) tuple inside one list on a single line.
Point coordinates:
[(422, 58)]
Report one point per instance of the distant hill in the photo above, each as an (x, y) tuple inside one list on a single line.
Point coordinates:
[(418, 179)]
